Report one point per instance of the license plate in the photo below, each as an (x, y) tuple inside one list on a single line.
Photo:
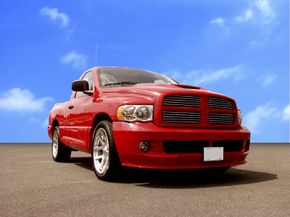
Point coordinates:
[(213, 153)]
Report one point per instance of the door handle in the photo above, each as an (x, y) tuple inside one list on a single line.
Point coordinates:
[(71, 107)]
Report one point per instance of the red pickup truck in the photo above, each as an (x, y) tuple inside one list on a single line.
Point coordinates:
[(136, 118)]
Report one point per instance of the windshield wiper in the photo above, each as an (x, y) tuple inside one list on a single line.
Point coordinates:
[(120, 83)]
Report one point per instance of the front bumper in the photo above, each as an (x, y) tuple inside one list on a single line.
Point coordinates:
[(127, 137)]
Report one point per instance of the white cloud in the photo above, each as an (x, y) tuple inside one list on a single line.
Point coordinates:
[(21, 100), (213, 76), (254, 119), (218, 21), (258, 10), (267, 12), (56, 16), (286, 113), (246, 16), (200, 77), (76, 59), (267, 79)]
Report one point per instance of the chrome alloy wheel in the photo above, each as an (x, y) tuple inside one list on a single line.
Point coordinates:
[(55, 144), (101, 152)]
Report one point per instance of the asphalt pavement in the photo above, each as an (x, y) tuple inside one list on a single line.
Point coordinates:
[(32, 184)]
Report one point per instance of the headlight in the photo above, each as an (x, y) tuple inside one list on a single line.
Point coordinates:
[(133, 113), (240, 117)]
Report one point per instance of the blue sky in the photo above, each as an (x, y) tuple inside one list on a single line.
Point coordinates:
[(239, 48)]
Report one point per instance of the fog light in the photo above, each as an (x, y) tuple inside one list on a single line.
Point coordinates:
[(144, 146)]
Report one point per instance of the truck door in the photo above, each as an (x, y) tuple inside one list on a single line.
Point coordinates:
[(77, 119)]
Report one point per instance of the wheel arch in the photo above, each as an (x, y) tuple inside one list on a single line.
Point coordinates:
[(53, 125), (97, 119)]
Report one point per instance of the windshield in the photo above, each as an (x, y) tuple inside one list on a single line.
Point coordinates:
[(112, 77)]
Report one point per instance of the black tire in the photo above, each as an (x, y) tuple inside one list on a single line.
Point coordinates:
[(59, 152), (103, 144)]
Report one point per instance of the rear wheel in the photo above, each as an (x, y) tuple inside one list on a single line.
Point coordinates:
[(104, 154), (60, 153)]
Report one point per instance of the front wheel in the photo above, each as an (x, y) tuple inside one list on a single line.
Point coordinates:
[(60, 153), (104, 154)]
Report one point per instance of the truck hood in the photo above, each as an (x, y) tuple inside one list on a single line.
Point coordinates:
[(155, 90)]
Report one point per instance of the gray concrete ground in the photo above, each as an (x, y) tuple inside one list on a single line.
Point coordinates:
[(31, 184)]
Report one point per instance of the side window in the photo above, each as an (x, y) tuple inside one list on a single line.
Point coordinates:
[(89, 78)]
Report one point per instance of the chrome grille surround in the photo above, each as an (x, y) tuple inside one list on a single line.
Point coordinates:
[(181, 117), (182, 100), (220, 103), (221, 118)]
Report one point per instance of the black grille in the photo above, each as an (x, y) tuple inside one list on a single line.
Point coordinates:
[(182, 100), (221, 118), (230, 145), (197, 146), (181, 117), (184, 146), (220, 103)]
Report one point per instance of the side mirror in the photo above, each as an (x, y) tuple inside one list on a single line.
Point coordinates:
[(80, 86)]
